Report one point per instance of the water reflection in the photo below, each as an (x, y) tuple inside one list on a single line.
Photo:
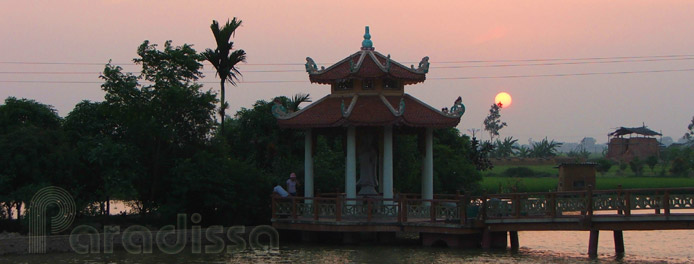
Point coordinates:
[(536, 247)]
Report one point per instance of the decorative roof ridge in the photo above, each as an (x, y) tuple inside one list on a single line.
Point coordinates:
[(391, 108), (423, 67), (347, 112), (291, 115), (355, 67), (384, 68), (311, 67), (432, 108)]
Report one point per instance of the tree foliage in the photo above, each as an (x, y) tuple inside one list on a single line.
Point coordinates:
[(690, 134), (544, 149), (493, 124), (223, 59), (34, 153), (166, 120), (505, 148)]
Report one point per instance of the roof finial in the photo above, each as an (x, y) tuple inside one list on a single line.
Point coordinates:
[(367, 44)]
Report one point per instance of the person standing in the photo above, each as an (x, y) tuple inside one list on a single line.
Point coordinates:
[(292, 183)]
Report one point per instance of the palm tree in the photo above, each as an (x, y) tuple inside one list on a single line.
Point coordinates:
[(293, 104), (504, 149), (545, 148), (222, 60)]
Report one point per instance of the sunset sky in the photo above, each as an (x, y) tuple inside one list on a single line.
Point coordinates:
[(504, 34)]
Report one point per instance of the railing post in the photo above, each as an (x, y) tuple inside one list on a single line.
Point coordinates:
[(274, 207), (516, 205), (463, 209), (627, 198), (666, 203), (552, 204), (432, 211), (657, 205), (294, 207), (620, 198), (589, 200), (404, 209), (484, 207), (338, 208), (370, 208), (316, 205), (400, 209)]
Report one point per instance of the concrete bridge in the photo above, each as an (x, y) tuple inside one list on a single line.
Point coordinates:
[(487, 221)]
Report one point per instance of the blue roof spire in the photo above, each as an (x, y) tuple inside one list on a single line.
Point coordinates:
[(367, 44)]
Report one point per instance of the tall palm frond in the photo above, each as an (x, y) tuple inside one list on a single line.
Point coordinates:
[(297, 100), (221, 59)]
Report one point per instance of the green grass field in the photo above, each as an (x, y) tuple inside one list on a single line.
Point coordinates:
[(494, 182), (614, 171), (544, 184)]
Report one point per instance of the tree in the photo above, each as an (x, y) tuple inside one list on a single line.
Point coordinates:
[(492, 123), (505, 148), (104, 164), (544, 148), (651, 162), (165, 121), (523, 152), (603, 165), (453, 169), (636, 166), (479, 154), (690, 134), (224, 61), (33, 154), (293, 104)]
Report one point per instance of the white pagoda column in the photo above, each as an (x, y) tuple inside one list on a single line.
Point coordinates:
[(428, 166), (308, 165), (388, 163), (351, 166)]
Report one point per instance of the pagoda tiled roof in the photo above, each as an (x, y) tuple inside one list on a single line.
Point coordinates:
[(368, 63), (368, 110)]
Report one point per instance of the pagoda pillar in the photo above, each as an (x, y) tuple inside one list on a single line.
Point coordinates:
[(308, 165), (428, 166), (388, 163), (351, 166)]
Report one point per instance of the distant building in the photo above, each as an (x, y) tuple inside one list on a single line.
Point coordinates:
[(625, 149)]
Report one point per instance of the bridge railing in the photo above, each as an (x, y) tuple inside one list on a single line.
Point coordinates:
[(465, 210), (589, 202), (401, 209)]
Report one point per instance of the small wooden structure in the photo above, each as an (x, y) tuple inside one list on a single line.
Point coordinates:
[(576, 176)]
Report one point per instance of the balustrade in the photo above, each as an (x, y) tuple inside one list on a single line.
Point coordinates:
[(464, 209)]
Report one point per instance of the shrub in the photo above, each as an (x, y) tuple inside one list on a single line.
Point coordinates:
[(603, 165), (524, 172), (636, 166)]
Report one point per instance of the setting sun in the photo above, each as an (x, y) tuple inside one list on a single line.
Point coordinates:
[(503, 99)]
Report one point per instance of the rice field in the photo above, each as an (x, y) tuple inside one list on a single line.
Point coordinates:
[(495, 182)]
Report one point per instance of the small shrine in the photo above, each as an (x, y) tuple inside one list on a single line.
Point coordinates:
[(368, 103)]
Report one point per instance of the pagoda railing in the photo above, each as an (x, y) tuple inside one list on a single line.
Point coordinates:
[(466, 210)]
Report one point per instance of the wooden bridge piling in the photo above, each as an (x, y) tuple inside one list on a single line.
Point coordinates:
[(513, 237), (618, 243), (593, 244)]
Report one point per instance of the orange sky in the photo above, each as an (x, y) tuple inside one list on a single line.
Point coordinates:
[(561, 108)]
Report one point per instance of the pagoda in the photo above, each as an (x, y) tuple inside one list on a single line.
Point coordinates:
[(368, 104)]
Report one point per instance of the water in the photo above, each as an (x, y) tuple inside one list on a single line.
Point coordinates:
[(536, 247)]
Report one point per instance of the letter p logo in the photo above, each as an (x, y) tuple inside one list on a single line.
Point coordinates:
[(38, 213)]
